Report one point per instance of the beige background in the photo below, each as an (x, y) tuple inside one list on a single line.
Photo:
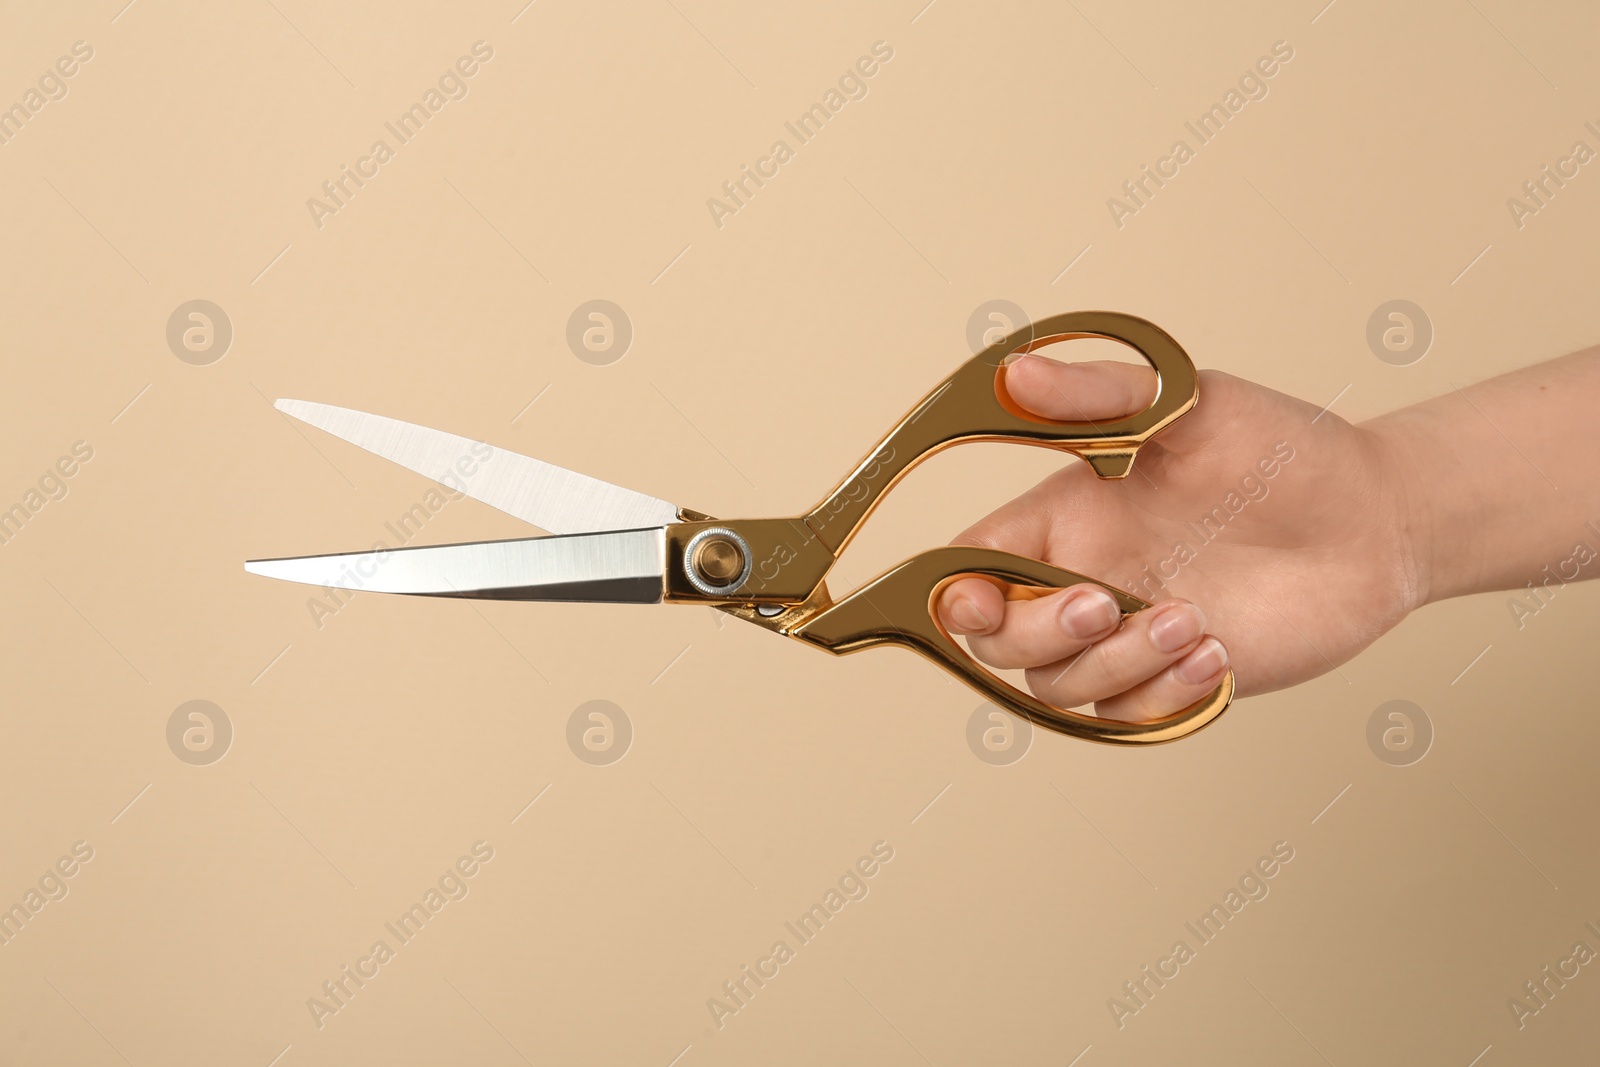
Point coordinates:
[(369, 753)]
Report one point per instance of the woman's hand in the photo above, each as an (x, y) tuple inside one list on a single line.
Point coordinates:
[(1270, 537)]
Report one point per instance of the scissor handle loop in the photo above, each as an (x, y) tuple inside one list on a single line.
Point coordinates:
[(897, 608), (1176, 382), (972, 405)]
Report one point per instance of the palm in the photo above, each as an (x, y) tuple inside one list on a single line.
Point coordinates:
[(1296, 572)]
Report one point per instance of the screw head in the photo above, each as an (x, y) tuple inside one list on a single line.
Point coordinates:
[(718, 560)]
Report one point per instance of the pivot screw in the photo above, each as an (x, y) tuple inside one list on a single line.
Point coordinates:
[(718, 560)]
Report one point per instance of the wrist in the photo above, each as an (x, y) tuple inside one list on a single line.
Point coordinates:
[(1403, 456)]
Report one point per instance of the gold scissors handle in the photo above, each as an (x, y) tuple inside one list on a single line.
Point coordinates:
[(897, 608), (785, 561), (972, 405)]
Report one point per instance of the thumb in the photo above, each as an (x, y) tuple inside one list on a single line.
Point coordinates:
[(1079, 392)]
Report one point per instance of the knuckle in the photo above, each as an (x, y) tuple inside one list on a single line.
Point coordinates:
[(1116, 664), (1127, 708), (1001, 652), (955, 590), (982, 535), (1033, 638), (1053, 683)]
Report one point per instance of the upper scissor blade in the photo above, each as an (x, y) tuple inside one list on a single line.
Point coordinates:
[(550, 497), (618, 567)]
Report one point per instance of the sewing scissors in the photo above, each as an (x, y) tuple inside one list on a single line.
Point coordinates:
[(614, 545)]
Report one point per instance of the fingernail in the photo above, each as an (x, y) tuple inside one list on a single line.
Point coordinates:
[(1176, 627), (1202, 664), (1089, 614), (965, 614)]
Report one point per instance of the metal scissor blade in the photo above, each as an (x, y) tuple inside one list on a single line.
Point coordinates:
[(550, 497), (617, 567)]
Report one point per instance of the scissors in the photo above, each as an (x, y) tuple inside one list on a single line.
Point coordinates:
[(614, 545)]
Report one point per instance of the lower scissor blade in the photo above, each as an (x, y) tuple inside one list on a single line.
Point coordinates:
[(618, 567)]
